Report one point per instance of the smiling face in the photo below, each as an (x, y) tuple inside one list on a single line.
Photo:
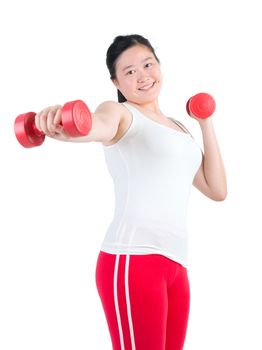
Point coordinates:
[(138, 75)]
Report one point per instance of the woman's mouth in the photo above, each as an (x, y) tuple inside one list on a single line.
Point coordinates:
[(147, 87)]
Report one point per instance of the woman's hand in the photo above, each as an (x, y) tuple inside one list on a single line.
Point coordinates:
[(49, 122), (202, 121)]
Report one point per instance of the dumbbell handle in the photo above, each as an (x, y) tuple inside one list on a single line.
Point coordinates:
[(39, 132)]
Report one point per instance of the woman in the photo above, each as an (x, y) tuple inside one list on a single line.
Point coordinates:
[(141, 271)]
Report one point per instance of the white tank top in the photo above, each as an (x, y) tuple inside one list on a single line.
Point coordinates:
[(152, 167)]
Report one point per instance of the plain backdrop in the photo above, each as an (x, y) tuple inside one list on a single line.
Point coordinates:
[(57, 200)]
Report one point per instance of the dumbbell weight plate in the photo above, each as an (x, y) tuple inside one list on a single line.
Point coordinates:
[(26, 132), (76, 118), (201, 105)]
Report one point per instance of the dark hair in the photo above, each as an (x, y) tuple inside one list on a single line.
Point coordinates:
[(119, 45)]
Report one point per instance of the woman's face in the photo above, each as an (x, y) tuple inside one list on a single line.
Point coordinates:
[(138, 75)]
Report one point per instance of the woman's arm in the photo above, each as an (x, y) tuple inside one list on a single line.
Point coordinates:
[(211, 178), (105, 123)]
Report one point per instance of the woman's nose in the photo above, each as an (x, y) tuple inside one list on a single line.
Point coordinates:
[(142, 77)]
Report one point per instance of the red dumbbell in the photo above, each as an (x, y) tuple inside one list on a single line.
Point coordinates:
[(201, 105), (76, 121)]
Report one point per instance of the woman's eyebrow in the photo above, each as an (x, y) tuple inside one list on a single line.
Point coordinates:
[(144, 60)]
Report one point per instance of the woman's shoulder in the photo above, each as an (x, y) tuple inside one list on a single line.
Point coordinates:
[(114, 108), (110, 106)]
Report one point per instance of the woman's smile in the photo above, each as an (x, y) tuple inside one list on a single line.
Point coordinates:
[(147, 87)]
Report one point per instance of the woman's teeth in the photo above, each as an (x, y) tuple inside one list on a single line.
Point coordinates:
[(146, 87)]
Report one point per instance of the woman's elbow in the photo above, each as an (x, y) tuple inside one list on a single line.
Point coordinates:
[(219, 196)]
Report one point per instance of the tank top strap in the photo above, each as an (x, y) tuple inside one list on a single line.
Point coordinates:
[(178, 123), (132, 109)]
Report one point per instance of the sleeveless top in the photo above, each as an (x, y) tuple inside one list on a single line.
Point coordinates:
[(152, 167)]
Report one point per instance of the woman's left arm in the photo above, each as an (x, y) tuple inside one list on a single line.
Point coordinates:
[(210, 179)]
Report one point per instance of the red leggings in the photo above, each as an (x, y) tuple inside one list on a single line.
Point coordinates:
[(145, 299)]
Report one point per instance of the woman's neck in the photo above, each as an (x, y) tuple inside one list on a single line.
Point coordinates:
[(149, 107)]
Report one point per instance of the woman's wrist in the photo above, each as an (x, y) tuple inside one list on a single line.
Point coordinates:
[(206, 124)]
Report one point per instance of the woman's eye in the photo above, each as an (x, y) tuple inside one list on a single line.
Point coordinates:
[(148, 65), (130, 72)]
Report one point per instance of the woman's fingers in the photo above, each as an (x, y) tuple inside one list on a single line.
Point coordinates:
[(43, 121), (49, 120), (57, 120)]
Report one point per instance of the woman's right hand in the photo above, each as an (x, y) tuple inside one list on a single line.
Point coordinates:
[(49, 122)]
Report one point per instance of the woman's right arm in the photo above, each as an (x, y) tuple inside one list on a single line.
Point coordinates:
[(105, 123)]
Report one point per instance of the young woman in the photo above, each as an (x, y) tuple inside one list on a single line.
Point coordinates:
[(141, 272)]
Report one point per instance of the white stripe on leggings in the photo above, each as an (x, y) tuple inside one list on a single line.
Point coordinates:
[(127, 302), (116, 304), (129, 305)]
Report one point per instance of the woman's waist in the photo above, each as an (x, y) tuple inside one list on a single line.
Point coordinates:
[(168, 225)]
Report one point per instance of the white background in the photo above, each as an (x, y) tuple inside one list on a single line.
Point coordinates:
[(57, 199)]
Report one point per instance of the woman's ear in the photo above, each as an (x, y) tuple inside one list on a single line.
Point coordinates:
[(115, 82)]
